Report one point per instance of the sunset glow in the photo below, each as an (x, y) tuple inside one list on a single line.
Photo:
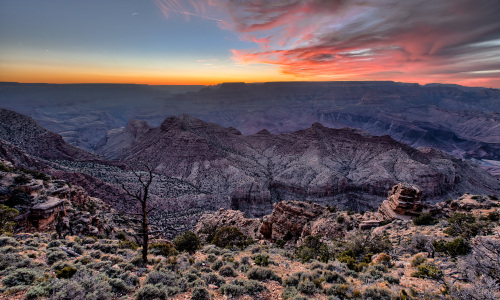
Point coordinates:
[(213, 41)]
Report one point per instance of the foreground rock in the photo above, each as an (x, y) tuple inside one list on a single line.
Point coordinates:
[(403, 202), (209, 223)]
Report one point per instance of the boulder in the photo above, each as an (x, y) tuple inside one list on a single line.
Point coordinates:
[(289, 218), (403, 202), (227, 217)]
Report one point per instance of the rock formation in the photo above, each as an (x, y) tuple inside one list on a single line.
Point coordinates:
[(24, 132), (345, 167), (288, 219), (403, 202), (227, 217)]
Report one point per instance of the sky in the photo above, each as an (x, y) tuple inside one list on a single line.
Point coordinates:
[(214, 41)]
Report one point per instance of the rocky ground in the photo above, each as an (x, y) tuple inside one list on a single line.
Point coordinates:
[(301, 251)]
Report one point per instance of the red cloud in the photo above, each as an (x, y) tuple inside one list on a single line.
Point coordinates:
[(419, 40)]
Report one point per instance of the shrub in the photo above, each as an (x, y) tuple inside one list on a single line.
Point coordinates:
[(261, 260), (126, 244), (333, 277), (313, 248), (261, 273), (240, 287), (232, 290), (55, 256), (227, 271), (418, 260), (230, 237), (377, 294), (494, 216), (8, 241), (67, 289), (212, 278), (118, 286), (168, 279), (200, 293), (163, 249), (424, 219), (216, 265), (188, 241), (339, 290), (391, 279), (66, 272), (20, 277), (7, 216), (465, 225), (428, 271), (307, 287), (36, 292), (289, 292), (150, 292), (458, 246)]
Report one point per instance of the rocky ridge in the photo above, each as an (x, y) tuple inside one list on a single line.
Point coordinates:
[(344, 167)]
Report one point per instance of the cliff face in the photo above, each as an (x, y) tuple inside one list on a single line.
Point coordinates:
[(24, 132), (345, 167)]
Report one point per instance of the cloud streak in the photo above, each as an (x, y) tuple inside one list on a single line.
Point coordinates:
[(420, 40)]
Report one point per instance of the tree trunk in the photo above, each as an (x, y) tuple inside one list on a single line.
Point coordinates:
[(145, 233)]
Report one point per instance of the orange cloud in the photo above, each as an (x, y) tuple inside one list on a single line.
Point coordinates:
[(454, 41)]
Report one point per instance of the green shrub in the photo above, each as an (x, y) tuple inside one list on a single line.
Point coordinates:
[(163, 249), (261, 273), (66, 272), (339, 290), (313, 248), (150, 292), (188, 241), (424, 219), (200, 293), (333, 277), (307, 287), (36, 292), (230, 237), (465, 225), (418, 260), (428, 271), (289, 292), (457, 247), (126, 244), (227, 271), (20, 277), (261, 260), (7, 216)]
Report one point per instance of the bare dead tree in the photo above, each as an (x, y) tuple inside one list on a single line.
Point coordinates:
[(141, 194)]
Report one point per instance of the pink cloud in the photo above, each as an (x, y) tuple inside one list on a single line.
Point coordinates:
[(423, 41)]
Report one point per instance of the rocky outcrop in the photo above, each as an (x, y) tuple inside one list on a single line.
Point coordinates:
[(467, 203), (209, 223), (403, 202), (288, 219)]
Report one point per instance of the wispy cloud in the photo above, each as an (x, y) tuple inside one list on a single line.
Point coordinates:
[(417, 40)]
